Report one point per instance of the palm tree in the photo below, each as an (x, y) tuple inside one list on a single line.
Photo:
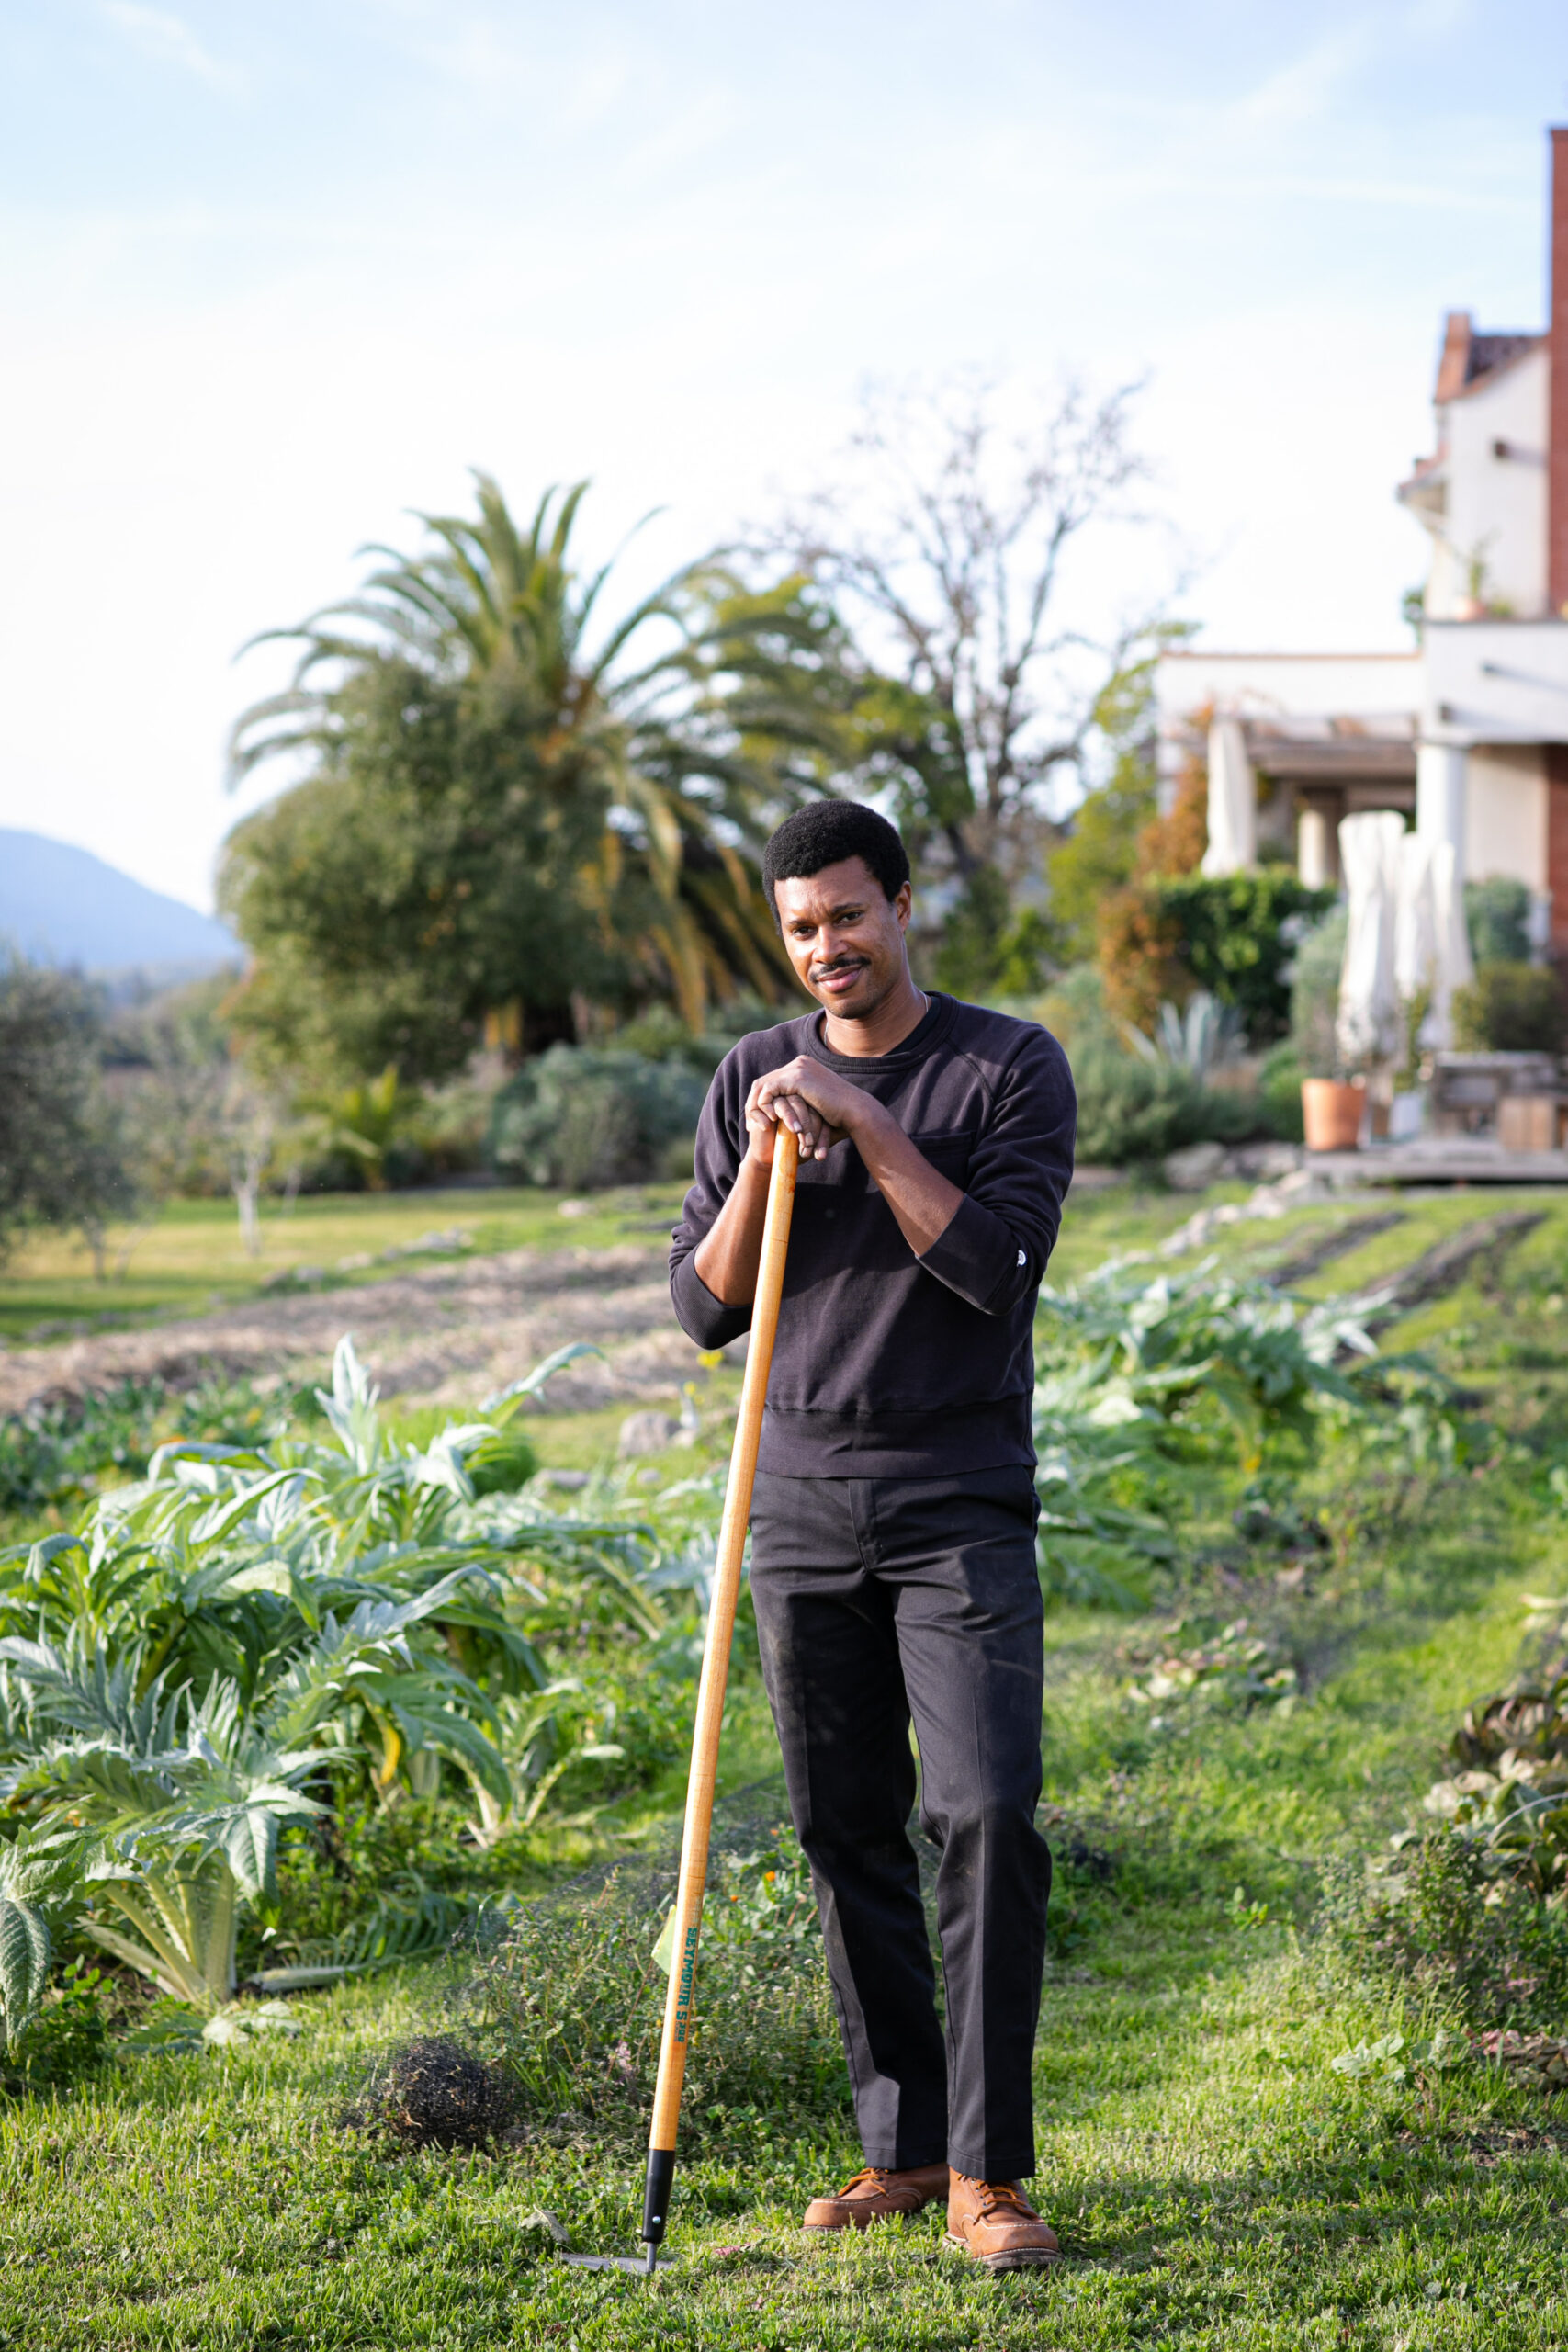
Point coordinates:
[(688, 724)]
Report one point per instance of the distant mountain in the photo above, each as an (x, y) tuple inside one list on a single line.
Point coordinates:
[(60, 905)]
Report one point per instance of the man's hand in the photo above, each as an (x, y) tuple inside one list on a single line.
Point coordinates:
[(816, 1105), (822, 1108)]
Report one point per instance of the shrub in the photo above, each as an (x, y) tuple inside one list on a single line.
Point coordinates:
[(1073, 1008), (1476, 1908), (63, 1156), (63, 1449), (1175, 842), (1497, 915), (66, 2039), (1236, 935), (1136, 946), (1279, 1092), (986, 948), (1133, 1110), (446, 1132), (1233, 934), (1101, 853), (1315, 996), (661, 1035), (583, 1116), (1511, 1008)]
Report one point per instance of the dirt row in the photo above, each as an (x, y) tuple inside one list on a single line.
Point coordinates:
[(450, 1333), (445, 1334)]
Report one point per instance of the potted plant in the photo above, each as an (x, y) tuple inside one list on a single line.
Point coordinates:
[(1332, 1105), (1332, 1112)]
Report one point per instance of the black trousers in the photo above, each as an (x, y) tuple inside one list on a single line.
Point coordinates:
[(879, 1599)]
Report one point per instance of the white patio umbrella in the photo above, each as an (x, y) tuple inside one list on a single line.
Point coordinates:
[(1455, 967), (1415, 919), (1370, 855), (1431, 947), (1232, 802)]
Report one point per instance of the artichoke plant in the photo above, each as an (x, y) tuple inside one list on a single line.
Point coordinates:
[(242, 1634)]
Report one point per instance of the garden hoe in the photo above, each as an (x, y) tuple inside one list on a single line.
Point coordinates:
[(688, 1915)]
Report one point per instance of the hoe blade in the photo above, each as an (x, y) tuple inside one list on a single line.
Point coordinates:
[(639, 2265)]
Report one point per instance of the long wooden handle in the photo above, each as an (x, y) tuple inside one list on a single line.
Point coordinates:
[(715, 1674)]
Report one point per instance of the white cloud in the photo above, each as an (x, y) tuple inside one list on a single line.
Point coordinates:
[(168, 40)]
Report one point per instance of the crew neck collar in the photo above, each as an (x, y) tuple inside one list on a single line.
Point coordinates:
[(933, 1024)]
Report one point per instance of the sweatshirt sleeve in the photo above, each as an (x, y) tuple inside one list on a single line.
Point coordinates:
[(996, 1249), (720, 1147)]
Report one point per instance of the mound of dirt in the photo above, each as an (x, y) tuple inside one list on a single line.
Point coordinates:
[(432, 2093)]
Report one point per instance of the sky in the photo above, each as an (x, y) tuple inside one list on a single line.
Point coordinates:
[(273, 277)]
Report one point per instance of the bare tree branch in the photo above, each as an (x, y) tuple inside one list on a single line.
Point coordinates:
[(945, 548)]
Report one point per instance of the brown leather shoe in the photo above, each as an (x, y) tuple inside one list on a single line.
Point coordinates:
[(991, 2220), (877, 2195)]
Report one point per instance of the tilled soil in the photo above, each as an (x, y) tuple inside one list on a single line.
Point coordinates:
[(445, 1334), (1444, 1267)]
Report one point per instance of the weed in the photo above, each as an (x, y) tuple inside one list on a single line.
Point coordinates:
[(66, 1449), (1433, 1917), (66, 2041), (1231, 1668), (571, 2002)]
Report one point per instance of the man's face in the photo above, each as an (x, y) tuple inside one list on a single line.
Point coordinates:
[(845, 937)]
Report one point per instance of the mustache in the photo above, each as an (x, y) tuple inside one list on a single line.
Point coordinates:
[(839, 964)]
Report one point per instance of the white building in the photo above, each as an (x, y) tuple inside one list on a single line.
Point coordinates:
[(1470, 733)]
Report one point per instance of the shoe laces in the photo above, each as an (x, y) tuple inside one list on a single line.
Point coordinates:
[(1002, 2196), (875, 2174)]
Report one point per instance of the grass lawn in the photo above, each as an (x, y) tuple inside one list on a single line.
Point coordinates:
[(1216, 2182)]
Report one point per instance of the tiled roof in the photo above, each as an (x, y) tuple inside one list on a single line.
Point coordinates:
[(1488, 352), (1467, 356)]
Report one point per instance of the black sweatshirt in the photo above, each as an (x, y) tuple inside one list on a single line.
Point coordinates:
[(888, 1366)]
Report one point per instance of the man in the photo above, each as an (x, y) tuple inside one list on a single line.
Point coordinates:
[(893, 1526)]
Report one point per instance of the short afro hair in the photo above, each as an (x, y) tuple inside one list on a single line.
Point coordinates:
[(827, 832)]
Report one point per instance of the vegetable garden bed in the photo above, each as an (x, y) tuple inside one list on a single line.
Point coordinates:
[(1295, 2073)]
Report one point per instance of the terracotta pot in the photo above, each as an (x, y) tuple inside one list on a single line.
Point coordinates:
[(1332, 1110)]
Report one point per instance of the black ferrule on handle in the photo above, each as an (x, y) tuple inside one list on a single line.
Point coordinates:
[(656, 2202)]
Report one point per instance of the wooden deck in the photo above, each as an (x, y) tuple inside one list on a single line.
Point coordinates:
[(1440, 1159)]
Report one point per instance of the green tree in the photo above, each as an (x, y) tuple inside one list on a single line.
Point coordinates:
[(63, 1157), (1105, 843), (986, 948), (508, 804)]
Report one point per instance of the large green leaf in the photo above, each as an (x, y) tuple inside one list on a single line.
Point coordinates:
[(25, 1953)]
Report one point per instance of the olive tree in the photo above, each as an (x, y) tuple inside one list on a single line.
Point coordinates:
[(63, 1157)]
